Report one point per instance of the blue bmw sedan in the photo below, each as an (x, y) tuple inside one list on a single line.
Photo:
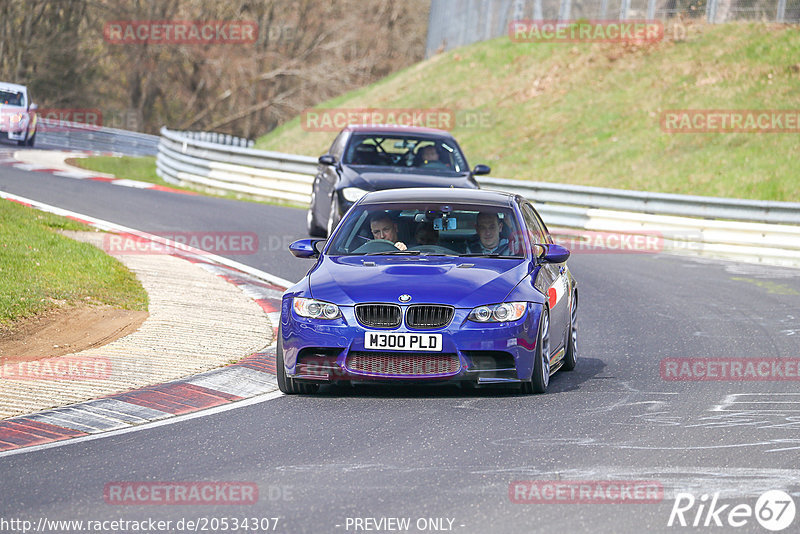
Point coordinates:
[(431, 285)]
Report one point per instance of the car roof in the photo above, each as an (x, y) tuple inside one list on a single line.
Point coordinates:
[(395, 129), (439, 194), (5, 86)]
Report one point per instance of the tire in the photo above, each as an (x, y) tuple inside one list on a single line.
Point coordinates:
[(312, 225), (571, 355), (334, 217), (31, 139), (540, 378), (286, 384)]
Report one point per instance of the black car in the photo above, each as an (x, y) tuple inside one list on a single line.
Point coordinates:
[(371, 158)]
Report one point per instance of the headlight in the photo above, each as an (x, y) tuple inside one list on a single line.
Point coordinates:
[(498, 313), (315, 309), (351, 194)]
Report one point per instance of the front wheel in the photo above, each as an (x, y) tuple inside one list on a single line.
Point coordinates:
[(540, 378), (334, 217), (571, 355), (314, 228), (286, 384)]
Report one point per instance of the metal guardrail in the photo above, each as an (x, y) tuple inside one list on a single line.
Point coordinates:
[(727, 227), (78, 136)]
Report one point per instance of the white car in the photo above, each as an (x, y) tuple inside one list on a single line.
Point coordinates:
[(17, 114)]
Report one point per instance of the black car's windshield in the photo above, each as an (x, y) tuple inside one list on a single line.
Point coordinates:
[(408, 152), (429, 229)]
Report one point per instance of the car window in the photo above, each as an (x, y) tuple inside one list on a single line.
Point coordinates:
[(535, 226), (12, 98), (337, 148), (428, 228)]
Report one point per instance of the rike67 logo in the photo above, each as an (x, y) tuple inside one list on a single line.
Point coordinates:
[(774, 510)]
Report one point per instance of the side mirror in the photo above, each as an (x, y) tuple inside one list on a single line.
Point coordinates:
[(327, 159), (481, 169), (553, 254), (305, 248), (33, 107)]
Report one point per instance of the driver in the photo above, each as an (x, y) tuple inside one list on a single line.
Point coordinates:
[(430, 157), (383, 227)]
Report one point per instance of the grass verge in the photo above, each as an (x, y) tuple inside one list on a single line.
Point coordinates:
[(41, 269)]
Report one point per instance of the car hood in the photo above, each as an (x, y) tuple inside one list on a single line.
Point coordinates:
[(370, 179), (461, 282)]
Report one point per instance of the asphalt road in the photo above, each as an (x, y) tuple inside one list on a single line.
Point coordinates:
[(427, 453)]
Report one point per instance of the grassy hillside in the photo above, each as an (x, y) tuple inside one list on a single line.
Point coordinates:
[(590, 113)]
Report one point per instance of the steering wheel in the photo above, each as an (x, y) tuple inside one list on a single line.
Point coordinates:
[(375, 245)]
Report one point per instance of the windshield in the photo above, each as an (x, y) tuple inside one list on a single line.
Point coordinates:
[(428, 229), (11, 98), (405, 151)]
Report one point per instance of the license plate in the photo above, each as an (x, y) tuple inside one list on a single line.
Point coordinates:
[(403, 341)]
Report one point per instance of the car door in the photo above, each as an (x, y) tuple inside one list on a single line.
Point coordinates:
[(552, 276)]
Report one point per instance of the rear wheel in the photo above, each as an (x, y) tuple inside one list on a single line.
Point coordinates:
[(540, 378), (286, 384), (571, 355)]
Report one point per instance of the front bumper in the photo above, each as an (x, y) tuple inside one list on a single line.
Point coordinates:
[(323, 351)]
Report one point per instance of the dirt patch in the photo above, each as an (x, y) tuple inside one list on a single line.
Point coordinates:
[(67, 330)]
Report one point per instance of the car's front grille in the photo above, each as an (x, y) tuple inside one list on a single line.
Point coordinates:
[(402, 364), (379, 315), (429, 316)]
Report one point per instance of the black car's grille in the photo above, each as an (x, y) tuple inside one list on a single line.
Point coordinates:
[(429, 316), (379, 315)]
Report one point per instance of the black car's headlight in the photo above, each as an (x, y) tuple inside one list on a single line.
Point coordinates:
[(315, 309), (351, 194), (498, 313)]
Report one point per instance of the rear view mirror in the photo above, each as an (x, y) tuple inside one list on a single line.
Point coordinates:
[(34, 107), (481, 169), (327, 159), (305, 248), (553, 254)]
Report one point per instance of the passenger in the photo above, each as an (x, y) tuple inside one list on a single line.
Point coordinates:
[(488, 227), (383, 227)]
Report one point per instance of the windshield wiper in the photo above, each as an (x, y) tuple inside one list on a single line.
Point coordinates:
[(389, 252), (489, 255)]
